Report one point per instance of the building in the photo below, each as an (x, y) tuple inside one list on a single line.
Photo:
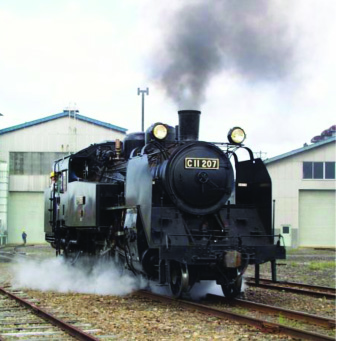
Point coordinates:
[(26, 156), (304, 187), (3, 200)]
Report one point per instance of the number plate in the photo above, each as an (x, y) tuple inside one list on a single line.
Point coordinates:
[(201, 163)]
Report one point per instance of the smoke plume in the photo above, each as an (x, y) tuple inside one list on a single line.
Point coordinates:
[(204, 38), (57, 275)]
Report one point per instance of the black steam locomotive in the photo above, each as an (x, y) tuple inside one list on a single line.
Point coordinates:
[(166, 205)]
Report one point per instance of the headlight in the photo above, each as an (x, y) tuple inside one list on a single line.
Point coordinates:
[(236, 135), (160, 131)]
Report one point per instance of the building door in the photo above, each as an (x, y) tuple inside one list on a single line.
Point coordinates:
[(286, 232), (317, 218), (26, 212)]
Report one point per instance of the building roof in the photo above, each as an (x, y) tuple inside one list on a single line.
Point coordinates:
[(301, 150), (61, 115)]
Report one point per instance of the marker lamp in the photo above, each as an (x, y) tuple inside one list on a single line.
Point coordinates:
[(236, 135), (160, 131)]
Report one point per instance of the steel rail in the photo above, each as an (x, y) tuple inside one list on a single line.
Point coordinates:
[(278, 286), (264, 326), (291, 314), (68, 328), (298, 285)]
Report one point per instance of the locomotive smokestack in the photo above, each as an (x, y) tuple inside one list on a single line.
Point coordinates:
[(189, 125)]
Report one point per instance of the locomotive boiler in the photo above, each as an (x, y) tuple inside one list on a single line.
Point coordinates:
[(166, 205)]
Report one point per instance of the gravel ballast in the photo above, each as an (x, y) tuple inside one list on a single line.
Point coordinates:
[(134, 318)]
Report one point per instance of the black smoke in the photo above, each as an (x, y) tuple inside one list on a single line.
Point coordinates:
[(249, 38)]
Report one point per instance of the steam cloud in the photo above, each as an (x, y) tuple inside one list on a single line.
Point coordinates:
[(244, 37), (57, 275), (101, 279)]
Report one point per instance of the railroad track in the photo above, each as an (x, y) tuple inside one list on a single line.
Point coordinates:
[(263, 325), (297, 288), (297, 285), (20, 318), (9, 253), (268, 309), (6, 253)]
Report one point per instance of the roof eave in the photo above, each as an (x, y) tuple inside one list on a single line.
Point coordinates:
[(300, 150), (61, 115)]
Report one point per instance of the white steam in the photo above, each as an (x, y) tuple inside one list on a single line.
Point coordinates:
[(103, 278), (200, 290), (57, 275), (205, 287)]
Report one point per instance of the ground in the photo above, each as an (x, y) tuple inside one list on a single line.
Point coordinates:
[(134, 318)]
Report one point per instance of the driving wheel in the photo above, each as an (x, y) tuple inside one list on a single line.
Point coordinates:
[(179, 279)]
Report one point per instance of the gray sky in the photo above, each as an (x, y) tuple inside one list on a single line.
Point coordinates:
[(267, 66)]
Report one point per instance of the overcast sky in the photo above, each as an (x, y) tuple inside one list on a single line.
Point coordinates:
[(267, 66)]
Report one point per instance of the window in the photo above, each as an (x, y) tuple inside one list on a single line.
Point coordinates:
[(64, 181), (32, 163), (329, 170), (318, 170), (308, 170), (285, 229)]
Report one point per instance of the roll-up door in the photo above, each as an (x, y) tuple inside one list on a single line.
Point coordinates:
[(26, 212), (317, 218)]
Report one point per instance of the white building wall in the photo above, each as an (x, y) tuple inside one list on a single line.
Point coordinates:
[(287, 179)]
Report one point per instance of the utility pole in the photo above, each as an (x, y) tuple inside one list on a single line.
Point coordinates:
[(261, 155), (143, 92), (72, 118)]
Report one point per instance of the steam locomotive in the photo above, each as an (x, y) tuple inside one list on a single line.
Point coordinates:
[(165, 205)]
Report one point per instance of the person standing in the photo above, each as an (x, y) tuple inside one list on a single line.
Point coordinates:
[(24, 237)]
